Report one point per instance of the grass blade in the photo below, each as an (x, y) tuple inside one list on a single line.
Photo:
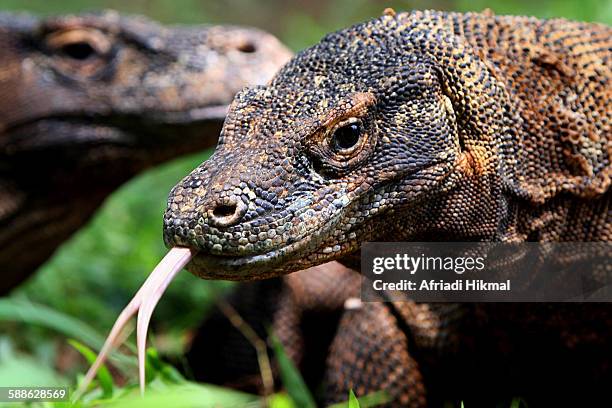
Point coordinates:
[(35, 314), (291, 377), (104, 377), (353, 402), (32, 313), (370, 400), (517, 402), (187, 395)]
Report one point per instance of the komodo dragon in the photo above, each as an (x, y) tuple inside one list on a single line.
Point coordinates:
[(88, 101), (423, 126)]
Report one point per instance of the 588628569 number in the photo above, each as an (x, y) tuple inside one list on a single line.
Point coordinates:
[(21, 394)]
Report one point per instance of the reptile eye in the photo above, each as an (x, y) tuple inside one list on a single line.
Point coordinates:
[(79, 44), (79, 50), (346, 137)]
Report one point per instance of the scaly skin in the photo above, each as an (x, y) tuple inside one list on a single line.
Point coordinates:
[(88, 101), (421, 126)]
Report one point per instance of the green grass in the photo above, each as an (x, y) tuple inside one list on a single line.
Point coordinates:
[(165, 386), (291, 378)]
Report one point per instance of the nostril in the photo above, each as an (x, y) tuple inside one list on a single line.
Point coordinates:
[(227, 212), (224, 210), (247, 47)]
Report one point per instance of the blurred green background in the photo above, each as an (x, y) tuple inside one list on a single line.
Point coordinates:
[(94, 274)]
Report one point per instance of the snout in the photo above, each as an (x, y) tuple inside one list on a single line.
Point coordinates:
[(217, 214)]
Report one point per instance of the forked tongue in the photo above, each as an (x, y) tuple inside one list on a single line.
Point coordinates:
[(144, 303)]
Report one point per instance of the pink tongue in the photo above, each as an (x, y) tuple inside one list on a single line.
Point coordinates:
[(144, 303)]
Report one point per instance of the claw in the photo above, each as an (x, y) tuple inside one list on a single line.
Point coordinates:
[(144, 303)]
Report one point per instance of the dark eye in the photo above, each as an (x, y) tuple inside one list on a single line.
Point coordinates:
[(79, 50), (79, 44), (346, 137)]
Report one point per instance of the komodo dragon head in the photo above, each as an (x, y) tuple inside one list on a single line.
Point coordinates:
[(415, 126), (87, 101)]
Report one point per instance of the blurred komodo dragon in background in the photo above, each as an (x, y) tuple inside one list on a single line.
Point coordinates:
[(88, 101), (422, 126)]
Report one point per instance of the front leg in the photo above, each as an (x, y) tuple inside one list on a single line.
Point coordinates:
[(371, 353)]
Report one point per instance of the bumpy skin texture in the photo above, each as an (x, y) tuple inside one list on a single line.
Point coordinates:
[(468, 127), (87, 101)]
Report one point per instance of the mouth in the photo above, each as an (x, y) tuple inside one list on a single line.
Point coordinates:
[(67, 131), (122, 120), (248, 267)]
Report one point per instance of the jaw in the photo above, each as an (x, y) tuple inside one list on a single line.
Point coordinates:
[(269, 265), (273, 263), (143, 138), (312, 250)]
